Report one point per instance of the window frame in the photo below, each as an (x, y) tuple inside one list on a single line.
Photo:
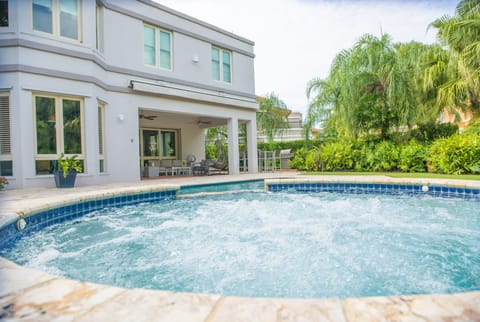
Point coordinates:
[(158, 48), (59, 129), (159, 144), (7, 157), (56, 23), (221, 64)]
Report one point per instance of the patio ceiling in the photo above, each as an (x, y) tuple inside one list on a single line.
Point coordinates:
[(201, 121)]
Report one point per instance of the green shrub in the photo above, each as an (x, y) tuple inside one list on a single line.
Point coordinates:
[(292, 145), (337, 156), (384, 157), (430, 131), (361, 155), (313, 160), (473, 126), (458, 154), (298, 160), (413, 157)]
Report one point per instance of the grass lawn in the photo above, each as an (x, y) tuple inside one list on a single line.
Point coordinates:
[(400, 175)]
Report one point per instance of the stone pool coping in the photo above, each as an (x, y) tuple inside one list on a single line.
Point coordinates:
[(32, 295)]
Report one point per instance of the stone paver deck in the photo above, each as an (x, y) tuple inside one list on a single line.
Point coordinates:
[(30, 295)]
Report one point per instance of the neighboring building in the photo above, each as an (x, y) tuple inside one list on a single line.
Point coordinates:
[(448, 117), (118, 83), (295, 130)]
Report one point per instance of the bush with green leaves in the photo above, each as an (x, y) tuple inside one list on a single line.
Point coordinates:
[(292, 145), (313, 160), (430, 131), (413, 157), (337, 156), (383, 157), (298, 160), (458, 154)]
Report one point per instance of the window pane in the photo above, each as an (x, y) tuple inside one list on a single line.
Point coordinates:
[(42, 15), (226, 67), (150, 143), (6, 168), (72, 134), (3, 13), (215, 64), (165, 56), (46, 122), (148, 45), (168, 144), (68, 19), (45, 166)]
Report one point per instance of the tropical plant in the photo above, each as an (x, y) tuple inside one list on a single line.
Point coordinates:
[(458, 154), (3, 182), (413, 157), (458, 66), (337, 156), (384, 157), (272, 115), (67, 164), (369, 88)]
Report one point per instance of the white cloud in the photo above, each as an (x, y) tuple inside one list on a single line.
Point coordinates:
[(296, 40)]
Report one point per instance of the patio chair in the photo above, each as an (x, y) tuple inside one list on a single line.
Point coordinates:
[(165, 167)]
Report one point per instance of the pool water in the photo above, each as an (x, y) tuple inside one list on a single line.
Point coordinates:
[(223, 187), (270, 245)]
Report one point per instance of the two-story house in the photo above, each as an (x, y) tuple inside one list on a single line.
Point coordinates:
[(117, 83)]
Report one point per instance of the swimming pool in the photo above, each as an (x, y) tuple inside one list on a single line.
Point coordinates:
[(267, 268)]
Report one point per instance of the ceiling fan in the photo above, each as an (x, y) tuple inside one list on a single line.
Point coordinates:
[(203, 122), (147, 117)]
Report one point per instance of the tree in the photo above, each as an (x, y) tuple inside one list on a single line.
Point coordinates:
[(369, 88), (456, 68), (272, 116)]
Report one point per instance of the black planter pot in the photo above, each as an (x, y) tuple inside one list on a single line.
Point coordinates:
[(65, 182)]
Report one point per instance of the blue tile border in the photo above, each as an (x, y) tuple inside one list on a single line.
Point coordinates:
[(46, 217), (377, 188)]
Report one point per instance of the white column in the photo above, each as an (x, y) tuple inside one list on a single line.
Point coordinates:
[(252, 146), (233, 149)]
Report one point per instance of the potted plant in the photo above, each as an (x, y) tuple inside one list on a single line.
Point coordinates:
[(3, 182), (67, 169)]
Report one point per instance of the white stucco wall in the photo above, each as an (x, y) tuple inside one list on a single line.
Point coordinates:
[(35, 62)]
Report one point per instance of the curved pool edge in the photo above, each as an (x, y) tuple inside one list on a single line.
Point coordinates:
[(27, 294)]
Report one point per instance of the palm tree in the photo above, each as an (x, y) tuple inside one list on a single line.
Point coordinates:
[(369, 88), (459, 64), (272, 116)]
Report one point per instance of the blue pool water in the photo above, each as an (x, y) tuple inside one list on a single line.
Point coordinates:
[(223, 187), (312, 245)]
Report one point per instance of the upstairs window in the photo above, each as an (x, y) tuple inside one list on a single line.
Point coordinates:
[(3, 13), (221, 65), (157, 47), (57, 17)]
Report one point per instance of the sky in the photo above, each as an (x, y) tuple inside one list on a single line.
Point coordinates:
[(296, 40)]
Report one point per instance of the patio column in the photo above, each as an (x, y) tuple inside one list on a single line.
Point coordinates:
[(233, 149), (252, 146)]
